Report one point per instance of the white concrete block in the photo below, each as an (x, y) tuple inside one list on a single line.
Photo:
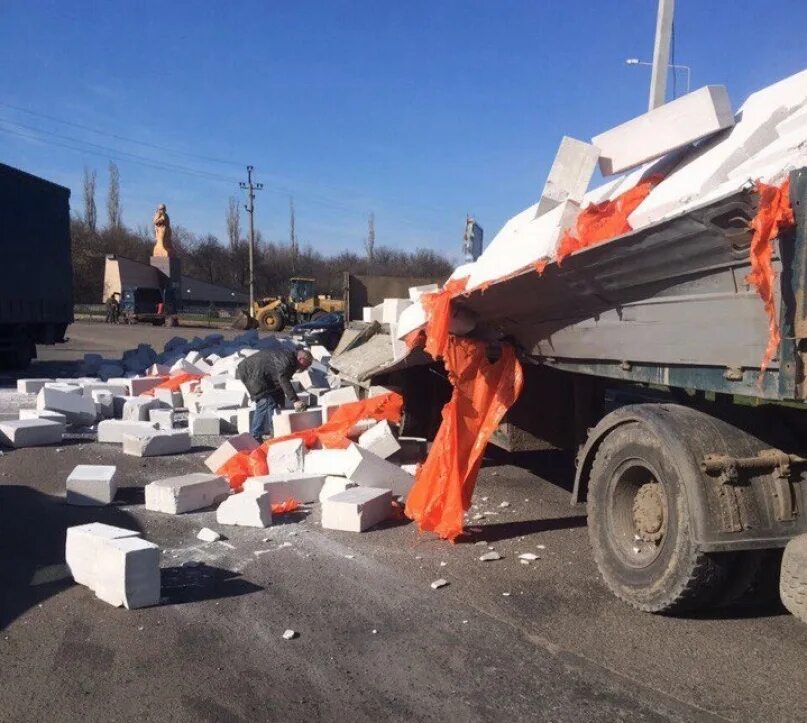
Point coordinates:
[(380, 440), (67, 386), (43, 414), (91, 485), (369, 470), (158, 370), (286, 456), (280, 487), (137, 409), (410, 468), (415, 292), (183, 366), (367, 314), (243, 418), (104, 403), (320, 353), (193, 356), (333, 486), (31, 386), (236, 385), (175, 495), (327, 462), (247, 509), (116, 389), (214, 398), (311, 377), (127, 573), (111, 431), (288, 421), (140, 385), (336, 397), (228, 419), (234, 445), (82, 545), (570, 174), (208, 535), (377, 314), (77, 409), (157, 443), (392, 310), (123, 382), (202, 425), (664, 129), (218, 381), (163, 418), (19, 433), (356, 509), (167, 398)]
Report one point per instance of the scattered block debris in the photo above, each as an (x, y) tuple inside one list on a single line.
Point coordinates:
[(246, 509), (91, 485), (175, 495)]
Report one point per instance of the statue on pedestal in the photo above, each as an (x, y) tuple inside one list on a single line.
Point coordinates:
[(162, 232)]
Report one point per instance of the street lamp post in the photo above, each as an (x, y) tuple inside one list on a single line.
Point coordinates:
[(686, 68)]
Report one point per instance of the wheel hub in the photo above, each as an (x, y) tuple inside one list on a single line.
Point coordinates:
[(648, 512)]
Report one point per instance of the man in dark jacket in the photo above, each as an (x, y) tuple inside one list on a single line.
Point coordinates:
[(267, 377)]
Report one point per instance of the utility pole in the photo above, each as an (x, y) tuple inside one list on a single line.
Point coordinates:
[(661, 53), (251, 187)]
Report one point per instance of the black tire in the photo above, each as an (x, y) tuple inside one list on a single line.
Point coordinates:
[(793, 578), (640, 530), (271, 320)]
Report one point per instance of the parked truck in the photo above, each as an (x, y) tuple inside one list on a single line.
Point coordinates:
[(36, 277), (642, 355)]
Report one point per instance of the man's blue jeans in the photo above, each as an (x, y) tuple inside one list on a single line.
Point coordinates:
[(262, 419)]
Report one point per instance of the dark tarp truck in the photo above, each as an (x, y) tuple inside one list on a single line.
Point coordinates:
[(36, 276), (643, 356)]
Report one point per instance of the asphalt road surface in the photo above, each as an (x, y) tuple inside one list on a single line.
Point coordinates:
[(503, 641)]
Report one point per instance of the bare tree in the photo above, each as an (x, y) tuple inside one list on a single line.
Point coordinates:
[(113, 205), (233, 222), (292, 237), (369, 242), (90, 211)]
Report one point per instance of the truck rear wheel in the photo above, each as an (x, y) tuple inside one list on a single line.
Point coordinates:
[(639, 526), (793, 578), (271, 320)]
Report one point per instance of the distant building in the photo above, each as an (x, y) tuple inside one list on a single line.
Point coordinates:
[(122, 273), (472, 240)]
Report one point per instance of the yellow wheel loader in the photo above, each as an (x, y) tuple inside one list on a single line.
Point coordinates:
[(302, 304)]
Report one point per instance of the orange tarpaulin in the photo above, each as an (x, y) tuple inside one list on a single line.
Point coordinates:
[(599, 222), (281, 508), (438, 312), (483, 392), (173, 383), (774, 214), (331, 435)]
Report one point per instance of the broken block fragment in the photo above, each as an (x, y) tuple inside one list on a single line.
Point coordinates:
[(112, 430), (163, 418), (77, 409), (234, 445), (175, 495), (157, 443), (31, 386), (356, 509), (91, 484), (127, 573), (333, 486), (280, 487), (287, 456), (137, 409), (570, 174), (369, 470), (247, 509), (380, 440)]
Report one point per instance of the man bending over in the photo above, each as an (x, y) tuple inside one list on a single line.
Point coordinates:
[(267, 377)]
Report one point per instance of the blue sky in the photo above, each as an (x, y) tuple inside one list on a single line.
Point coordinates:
[(418, 111)]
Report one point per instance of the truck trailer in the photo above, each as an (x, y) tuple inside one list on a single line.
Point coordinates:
[(36, 276)]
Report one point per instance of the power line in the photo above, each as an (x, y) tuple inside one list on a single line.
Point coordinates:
[(119, 137)]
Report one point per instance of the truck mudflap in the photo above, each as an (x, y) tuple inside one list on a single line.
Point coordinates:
[(743, 492)]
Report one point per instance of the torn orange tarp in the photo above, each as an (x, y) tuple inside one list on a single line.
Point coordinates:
[(331, 435), (173, 383), (438, 312), (281, 508), (603, 221), (482, 394), (774, 214)]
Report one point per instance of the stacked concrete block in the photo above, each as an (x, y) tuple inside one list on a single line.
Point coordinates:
[(202, 425), (168, 398), (114, 388), (320, 353), (158, 370), (228, 420), (91, 485), (141, 385), (288, 422), (219, 381), (234, 445), (77, 409), (380, 440), (163, 418), (43, 414), (664, 129), (123, 383), (157, 443), (19, 433), (104, 403), (357, 509), (126, 573), (244, 419), (392, 310), (31, 386), (218, 398), (67, 386), (137, 409), (246, 509), (570, 174), (367, 314), (411, 319), (311, 377), (83, 544), (287, 456), (333, 486), (415, 292), (203, 367), (369, 470), (175, 495), (328, 462), (336, 397), (111, 431), (280, 487)]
